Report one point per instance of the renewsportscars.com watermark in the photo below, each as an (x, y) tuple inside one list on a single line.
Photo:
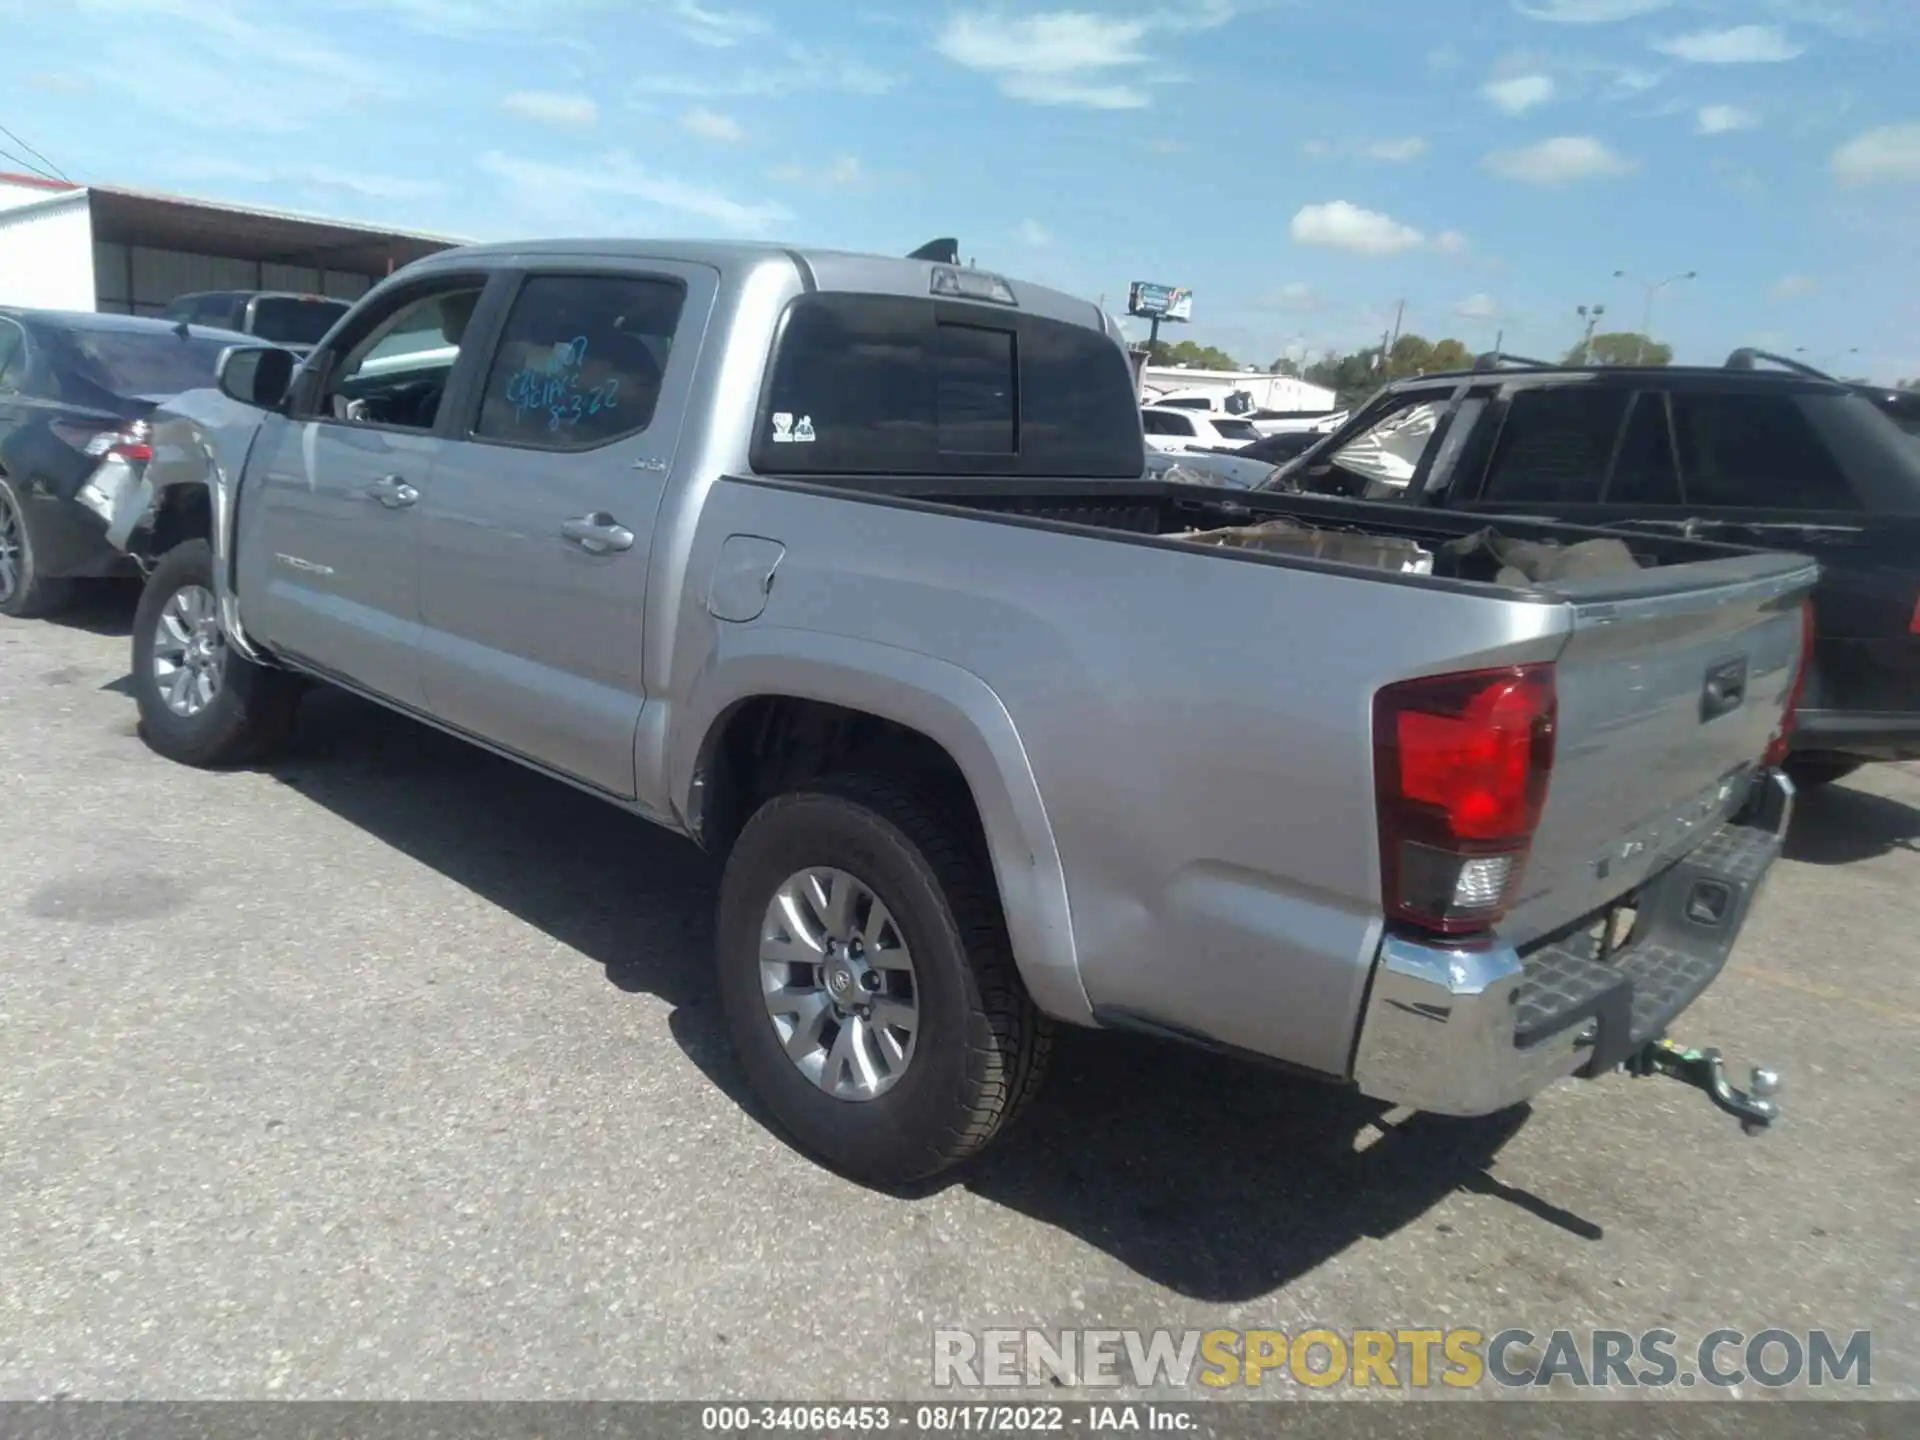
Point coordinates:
[(1414, 1359)]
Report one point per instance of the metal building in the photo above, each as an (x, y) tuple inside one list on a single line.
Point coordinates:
[(105, 248)]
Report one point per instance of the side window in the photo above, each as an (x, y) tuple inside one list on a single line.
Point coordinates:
[(13, 355), (581, 361), (1154, 423), (1644, 472), (395, 372), (1755, 450), (1555, 445), (218, 310), (863, 384)]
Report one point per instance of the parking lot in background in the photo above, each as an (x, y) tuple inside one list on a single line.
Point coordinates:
[(394, 1071)]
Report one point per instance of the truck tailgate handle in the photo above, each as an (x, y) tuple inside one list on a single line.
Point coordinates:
[(598, 533), (393, 492), (1725, 687)]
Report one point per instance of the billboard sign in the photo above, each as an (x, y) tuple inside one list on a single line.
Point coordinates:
[(1159, 302)]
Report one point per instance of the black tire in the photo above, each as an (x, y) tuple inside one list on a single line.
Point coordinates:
[(1810, 771), (249, 714), (981, 1046), (31, 596)]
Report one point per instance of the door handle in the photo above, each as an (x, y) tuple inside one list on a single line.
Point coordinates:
[(393, 492), (598, 533)]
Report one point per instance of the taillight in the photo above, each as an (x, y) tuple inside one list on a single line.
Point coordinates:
[(1778, 747), (1461, 764), (1913, 625), (131, 442)]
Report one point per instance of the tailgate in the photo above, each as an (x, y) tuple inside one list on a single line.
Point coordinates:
[(1668, 694)]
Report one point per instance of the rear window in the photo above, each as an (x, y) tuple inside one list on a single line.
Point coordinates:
[(871, 384), (131, 363), (1757, 449), (1235, 429), (285, 320)]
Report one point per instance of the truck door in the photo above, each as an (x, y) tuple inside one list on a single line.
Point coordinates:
[(539, 528), (329, 525)]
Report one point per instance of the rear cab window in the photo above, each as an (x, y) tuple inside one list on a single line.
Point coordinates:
[(875, 384), (294, 319)]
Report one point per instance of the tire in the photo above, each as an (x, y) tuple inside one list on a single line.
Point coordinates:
[(251, 706), (25, 593), (1810, 771), (979, 1047)]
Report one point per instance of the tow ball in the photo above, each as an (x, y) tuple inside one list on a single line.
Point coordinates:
[(1754, 1107)]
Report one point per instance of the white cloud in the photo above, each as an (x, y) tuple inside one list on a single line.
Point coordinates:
[(1316, 149), (1481, 307), (1033, 233), (574, 111), (1891, 152), (1450, 242), (1411, 147), (1559, 160), (716, 29), (839, 173), (1588, 12), (1519, 93), (1741, 45), (1070, 57), (1341, 225), (1793, 287), (795, 70), (1722, 119), (712, 125), (1296, 295), (615, 184)]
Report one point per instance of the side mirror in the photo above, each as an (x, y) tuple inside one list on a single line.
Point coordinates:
[(256, 375)]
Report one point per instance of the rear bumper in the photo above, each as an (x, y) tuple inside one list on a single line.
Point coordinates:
[(1472, 1031), (1862, 735), (69, 542)]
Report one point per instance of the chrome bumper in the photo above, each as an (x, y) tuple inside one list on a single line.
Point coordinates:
[(1443, 1026)]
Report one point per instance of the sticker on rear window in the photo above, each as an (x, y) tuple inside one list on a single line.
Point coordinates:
[(789, 431)]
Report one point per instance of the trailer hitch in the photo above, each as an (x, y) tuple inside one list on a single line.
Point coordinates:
[(1754, 1107)]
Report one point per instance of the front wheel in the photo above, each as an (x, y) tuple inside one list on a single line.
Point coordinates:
[(200, 703), (869, 985)]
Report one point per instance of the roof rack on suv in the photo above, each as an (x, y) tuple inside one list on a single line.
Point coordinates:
[(1746, 358), (1500, 360)]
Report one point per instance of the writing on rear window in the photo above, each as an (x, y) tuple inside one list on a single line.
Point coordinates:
[(553, 387)]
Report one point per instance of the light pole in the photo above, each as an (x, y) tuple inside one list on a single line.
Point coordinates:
[(1591, 314), (1653, 289)]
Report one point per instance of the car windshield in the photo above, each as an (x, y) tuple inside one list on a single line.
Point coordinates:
[(290, 320), (131, 363)]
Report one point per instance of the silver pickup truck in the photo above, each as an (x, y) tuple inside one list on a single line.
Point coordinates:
[(849, 569)]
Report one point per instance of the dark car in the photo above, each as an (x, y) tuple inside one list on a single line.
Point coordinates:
[(1785, 458), (73, 389), (277, 317), (1900, 406)]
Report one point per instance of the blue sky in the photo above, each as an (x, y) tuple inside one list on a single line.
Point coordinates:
[(1303, 164)]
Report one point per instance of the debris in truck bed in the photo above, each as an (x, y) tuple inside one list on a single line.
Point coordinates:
[(1285, 537), (1489, 555)]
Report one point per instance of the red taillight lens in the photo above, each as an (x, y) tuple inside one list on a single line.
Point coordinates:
[(1781, 744), (1461, 764), (1913, 625)]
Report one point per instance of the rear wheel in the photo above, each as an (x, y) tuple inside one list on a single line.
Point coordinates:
[(200, 703), (869, 985), (1809, 771), (25, 593)]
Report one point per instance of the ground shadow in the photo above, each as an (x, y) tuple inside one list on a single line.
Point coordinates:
[(100, 607), (1838, 825), (1217, 1179)]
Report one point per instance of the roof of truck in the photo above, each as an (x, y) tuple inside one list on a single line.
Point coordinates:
[(823, 268)]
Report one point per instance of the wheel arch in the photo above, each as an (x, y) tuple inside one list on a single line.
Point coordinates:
[(833, 700)]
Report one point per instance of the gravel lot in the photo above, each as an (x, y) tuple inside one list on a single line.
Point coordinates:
[(393, 1071)]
